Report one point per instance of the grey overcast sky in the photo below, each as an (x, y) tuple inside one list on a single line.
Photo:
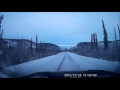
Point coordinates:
[(60, 28)]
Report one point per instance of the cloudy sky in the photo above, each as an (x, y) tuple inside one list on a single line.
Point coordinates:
[(60, 28)]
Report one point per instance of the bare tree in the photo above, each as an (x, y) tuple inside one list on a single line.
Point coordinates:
[(105, 36), (36, 44), (115, 35), (31, 47), (96, 41), (118, 31)]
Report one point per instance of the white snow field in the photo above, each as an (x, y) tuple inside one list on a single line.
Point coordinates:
[(64, 61)]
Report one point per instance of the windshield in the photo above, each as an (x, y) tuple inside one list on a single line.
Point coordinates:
[(59, 44)]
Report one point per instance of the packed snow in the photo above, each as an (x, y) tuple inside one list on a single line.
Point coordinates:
[(64, 61)]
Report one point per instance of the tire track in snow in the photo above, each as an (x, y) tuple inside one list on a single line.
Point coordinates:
[(68, 64), (61, 64), (70, 59)]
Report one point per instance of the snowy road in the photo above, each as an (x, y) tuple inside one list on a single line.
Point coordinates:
[(64, 61)]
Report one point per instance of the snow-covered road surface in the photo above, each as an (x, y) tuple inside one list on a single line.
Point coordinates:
[(64, 61)]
